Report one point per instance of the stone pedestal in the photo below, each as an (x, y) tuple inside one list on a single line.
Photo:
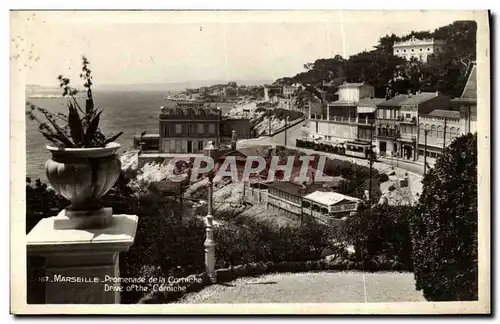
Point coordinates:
[(81, 265)]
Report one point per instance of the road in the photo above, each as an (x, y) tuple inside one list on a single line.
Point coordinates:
[(312, 287), (295, 132)]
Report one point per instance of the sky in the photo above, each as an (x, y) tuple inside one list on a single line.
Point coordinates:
[(161, 47)]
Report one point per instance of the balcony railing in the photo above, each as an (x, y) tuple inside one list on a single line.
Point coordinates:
[(409, 137), (392, 135), (405, 120)]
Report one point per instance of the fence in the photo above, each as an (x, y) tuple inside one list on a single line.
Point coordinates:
[(254, 196)]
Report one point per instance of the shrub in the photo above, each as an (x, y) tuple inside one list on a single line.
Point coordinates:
[(167, 243), (380, 233), (258, 242), (444, 227), (383, 177)]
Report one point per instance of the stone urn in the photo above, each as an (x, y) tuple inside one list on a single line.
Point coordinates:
[(83, 176)]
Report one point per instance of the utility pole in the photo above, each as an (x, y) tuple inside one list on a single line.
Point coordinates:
[(286, 125), (444, 134), (425, 150)]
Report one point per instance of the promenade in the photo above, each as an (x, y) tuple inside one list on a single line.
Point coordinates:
[(312, 287)]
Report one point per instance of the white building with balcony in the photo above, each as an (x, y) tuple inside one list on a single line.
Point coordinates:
[(420, 49)]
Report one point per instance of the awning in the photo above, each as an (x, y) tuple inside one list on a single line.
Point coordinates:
[(366, 110)]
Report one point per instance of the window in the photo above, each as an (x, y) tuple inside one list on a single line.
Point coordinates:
[(404, 51), (200, 145), (433, 131), (412, 50), (428, 49), (408, 115), (397, 51), (211, 128), (421, 152), (324, 210), (178, 128), (440, 131), (178, 146), (200, 129), (190, 128), (453, 133), (420, 50), (166, 130)]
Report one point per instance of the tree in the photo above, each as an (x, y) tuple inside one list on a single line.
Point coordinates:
[(380, 231), (445, 71), (444, 226)]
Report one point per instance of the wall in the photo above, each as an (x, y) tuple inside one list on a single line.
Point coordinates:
[(419, 49), (255, 196), (349, 94), (435, 126), (336, 131), (180, 145), (283, 204)]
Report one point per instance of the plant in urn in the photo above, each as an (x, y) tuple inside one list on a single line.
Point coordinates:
[(84, 164)]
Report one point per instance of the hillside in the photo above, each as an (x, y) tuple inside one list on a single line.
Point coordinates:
[(445, 72)]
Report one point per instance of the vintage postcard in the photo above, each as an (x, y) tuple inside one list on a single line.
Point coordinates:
[(250, 162)]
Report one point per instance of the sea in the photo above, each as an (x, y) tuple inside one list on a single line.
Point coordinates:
[(130, 112)]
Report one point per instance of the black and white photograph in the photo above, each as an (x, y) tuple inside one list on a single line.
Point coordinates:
[(250, 162)]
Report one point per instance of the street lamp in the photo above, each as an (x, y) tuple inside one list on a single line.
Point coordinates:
[(211, 152)]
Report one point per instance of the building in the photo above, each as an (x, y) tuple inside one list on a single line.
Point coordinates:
[(328, 207), (349, 118), (288, 91), (286, 198), (188, 127), (367, 109), (397, 122), (420, 49), (442, 127), (467, 103)]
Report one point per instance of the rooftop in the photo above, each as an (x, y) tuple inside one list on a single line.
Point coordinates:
[(342, 103), (350, 85), (370, 102), (257, 150), (329, 198), (287, 186), (190, 108), (470, 89), (405, 99), (415, 41), (444, 114)]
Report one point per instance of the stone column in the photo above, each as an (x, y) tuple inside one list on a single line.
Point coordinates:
[(81, 265)]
